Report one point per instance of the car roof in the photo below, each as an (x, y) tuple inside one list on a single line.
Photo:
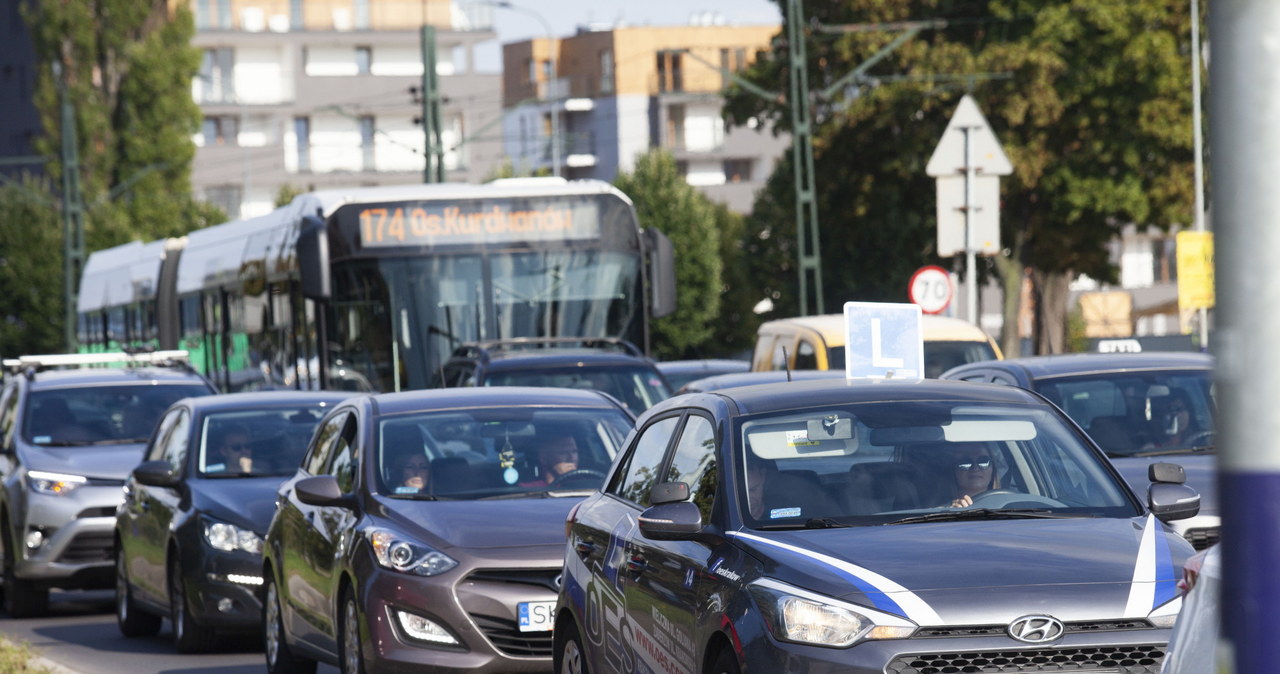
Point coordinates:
[(1038, 367), (118, 375), (836, 391), (486, 396), (720, 381), (503, 360), (934, 328), (704, 365), (276, 398)]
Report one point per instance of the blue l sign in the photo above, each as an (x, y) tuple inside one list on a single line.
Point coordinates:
[(883, 340)]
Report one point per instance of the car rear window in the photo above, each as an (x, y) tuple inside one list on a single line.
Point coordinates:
[(96, 415)]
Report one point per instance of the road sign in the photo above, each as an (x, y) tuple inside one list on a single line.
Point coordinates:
[(949, 156), (985, 213), (883, 340), (931, 289), (1195, 270)]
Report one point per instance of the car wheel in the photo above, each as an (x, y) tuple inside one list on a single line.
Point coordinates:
[(22, 599), (280, 658), (726, 662), (132, 622), (188, 635), (569, 657), (349, 650)]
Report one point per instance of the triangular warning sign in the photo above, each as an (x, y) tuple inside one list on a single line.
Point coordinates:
[(949, 157)]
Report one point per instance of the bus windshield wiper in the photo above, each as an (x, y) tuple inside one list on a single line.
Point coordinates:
[(981, 514)]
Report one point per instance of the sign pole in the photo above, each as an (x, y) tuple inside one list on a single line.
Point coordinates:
[(970, 254)]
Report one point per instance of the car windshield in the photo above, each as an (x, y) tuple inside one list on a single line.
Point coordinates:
[(1140, 413), (639, 388), (882, 462), (100, 415), (939, 355), (496, 453), (258, 442)]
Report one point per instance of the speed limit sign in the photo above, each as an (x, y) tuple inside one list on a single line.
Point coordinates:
[(931, 288)]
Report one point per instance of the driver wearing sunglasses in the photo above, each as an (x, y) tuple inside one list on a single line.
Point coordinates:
[(975, 472)]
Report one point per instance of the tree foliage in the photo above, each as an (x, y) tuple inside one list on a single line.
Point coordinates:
[(31, 280), (1090, 99), (664, 200)]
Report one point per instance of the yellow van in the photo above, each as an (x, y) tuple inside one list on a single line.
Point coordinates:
[(817, 343)]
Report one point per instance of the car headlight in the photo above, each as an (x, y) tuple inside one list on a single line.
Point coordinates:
[(1167, 613), (402, 553), (54, 484), (229, 538), (793, 614)]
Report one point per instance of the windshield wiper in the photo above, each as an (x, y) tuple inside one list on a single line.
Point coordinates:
[(415, 497), (823, 523), (983, 514), (519, 494), (1185, 450)]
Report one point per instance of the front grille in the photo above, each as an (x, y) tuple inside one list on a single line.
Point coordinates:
[(1000, 630), (548, 578), (1137, 659), (508, 638), (96, 512), (1202, 538), (88, 547)]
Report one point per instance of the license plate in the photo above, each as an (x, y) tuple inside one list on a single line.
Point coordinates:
[(535, 616)]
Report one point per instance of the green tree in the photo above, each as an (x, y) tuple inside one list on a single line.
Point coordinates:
[(1093, 111), (30, 278), (664, 200)]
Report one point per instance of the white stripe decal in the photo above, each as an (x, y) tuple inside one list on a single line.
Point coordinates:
[(1142, 591), (916, 609)]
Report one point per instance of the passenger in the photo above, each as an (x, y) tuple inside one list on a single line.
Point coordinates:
[(1179, 427), (557, 456), (975, 472), (235, 450), (415, 471)]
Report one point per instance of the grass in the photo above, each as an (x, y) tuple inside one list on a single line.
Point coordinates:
[(16, 658)]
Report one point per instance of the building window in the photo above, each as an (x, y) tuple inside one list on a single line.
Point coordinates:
[(302, 132), (367, 132), (670, 71), (224, 14), (737, 170), (606, 71), (221, 131), (362, 14), (202, 14), (364, 60), (226, 197), (530, 71), (217, 76), (682, 167), (731, 61), (297, 20), (1164, 260), (675, 127)]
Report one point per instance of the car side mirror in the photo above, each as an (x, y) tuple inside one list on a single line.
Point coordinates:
[(1167, 473), (680, 521), (156, 474), (1170, 502), (321, 490)]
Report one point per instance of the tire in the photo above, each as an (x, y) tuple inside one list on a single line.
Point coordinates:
[(189, 636), (280, 658), (350, 656), (132, 622), (726, 662), (569, 656), (22, 599)]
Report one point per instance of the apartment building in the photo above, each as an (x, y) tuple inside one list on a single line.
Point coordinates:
[(314, 94), (585, 106)]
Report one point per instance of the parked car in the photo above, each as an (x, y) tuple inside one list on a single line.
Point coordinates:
[(681, 372), (188, 534), (754, 378), (426, 529), (817, 343), (1125, 402), (614, 366), (71, 435), (818, 526)]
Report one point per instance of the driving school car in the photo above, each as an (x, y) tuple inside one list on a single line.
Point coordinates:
[(810, 526)]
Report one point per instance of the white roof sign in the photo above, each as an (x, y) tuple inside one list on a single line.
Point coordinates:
[(883, 340), (949, 157)]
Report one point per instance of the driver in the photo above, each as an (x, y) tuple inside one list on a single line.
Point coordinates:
[(557, 456), (975, 472)]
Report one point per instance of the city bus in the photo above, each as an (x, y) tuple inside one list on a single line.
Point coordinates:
[(372, 288)]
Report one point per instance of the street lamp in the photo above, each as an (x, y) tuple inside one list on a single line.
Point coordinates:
[(551, 88)]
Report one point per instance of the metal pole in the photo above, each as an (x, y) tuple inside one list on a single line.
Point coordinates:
[(1198, 144), (970, 254), (1244, 124), (808, 244), (72, 210)]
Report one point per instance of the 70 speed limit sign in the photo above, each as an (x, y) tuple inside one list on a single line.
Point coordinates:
[(931, 288)]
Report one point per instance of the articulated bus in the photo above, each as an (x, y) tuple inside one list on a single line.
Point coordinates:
[(372, 288)]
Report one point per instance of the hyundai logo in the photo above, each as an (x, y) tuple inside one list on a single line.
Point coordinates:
[(557, 580), (1036, 629)]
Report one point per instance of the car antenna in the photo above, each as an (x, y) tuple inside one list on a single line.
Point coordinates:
[(786, 363)]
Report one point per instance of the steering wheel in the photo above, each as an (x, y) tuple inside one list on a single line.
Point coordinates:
[(575, 474), (1001, 498), (1200, 439)]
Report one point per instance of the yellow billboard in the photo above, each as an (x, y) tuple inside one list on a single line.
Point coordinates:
[(1195, 271)]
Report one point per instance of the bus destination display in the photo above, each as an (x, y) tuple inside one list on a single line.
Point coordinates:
[(435, 224)]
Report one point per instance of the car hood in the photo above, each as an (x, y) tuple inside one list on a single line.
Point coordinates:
[(505, 523), (103, 462), (1201, 475), (988, 572), (247, 502)]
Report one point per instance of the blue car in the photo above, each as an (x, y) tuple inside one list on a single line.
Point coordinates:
[(1140, 408), (869, 527)]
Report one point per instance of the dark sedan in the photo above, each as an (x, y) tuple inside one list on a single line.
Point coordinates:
[(188, 535), (426, 529), (1140, 408), (868, 527)]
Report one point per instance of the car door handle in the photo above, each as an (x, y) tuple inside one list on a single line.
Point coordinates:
[(584, 548), (636, 564)]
